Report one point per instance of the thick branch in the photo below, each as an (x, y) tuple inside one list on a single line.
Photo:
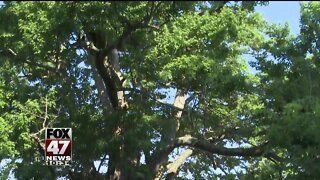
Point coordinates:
[(212, 148), (174, 166), (161, 155), (169, 136), (102, 91), (153, 98)]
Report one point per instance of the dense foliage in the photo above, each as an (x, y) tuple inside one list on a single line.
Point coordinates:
[(194, 110)]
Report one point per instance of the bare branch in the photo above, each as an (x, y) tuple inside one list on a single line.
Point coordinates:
[(7, 52), (153, 98), (222, 169), (12, 52), (102, 91), (180, 102), (103, 159), (93, 48), (174, 166), (169, 135), (205, 145)]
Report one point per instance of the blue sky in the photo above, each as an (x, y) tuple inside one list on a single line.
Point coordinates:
[(281, 12)]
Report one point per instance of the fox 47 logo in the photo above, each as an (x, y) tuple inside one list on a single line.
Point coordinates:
[(58, 146)]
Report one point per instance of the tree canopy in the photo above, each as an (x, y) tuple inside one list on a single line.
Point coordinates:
[(159, 90)]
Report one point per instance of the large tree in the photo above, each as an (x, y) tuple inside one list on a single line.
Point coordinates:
[(159, 90)]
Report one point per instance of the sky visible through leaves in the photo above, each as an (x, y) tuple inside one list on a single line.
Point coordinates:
[(278, 12)]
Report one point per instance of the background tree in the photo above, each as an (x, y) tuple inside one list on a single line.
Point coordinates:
[(179, 101), (290, 91)]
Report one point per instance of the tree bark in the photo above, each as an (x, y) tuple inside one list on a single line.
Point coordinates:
[(102, 91), (160, 157), (205, 145), (174, 166)]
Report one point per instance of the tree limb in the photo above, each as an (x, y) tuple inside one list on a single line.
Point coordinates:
[(153, 98), (7, 52), (205, 145), (169, 135), (101, 162), (102, 90), (174, 166)]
